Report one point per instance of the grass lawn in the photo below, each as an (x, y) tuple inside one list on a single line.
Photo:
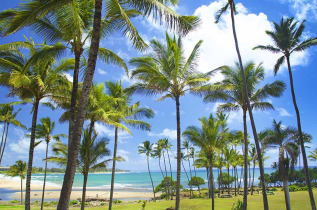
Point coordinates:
[(299, 200)]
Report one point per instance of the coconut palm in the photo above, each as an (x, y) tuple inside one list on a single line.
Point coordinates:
[(33, 78), (44, 131), (230, 91), (209, 138), (130, 115), (169, 73), (167, 147), (157, 153), (8, 117), (91, 152), (283, 139), (231, 4), (146, 148), (313, 155), (287, 36), (18, 169)]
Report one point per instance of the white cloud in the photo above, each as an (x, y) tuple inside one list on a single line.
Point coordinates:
[(283, 112), (234, 116), (303, 8), (101, 71), (218, 48), (106, 131), (169, 133), (68, 76), (22, 146), (124, 154)]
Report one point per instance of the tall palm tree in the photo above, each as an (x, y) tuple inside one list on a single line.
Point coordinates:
[(209, 138), (18, 169), (253, 156), (33, 78), (231, 5), (168, 72), (146, 148), (130, 116), (229, 155), (167, 146), (157, 153), (284, 140), (287, 38), (187, 147), (91, 152), (7, 117), (44, 131), (231, 91), (313, 155)]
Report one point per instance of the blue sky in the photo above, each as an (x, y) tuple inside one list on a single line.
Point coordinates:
[(253, 19)]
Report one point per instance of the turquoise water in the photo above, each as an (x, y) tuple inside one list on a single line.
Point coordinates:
[(131, 181)]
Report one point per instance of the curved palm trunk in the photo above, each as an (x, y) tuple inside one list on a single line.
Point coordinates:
[(2, 139), (235, 181), (228, 181), (148, 167), (218, 179), (249, 174), (245, 153), (43, 193), (190, 172), (221, 182), (21, 191), (113, 167), (169, 160), (177, 203), (283, 174), (265, 202), (252, 186), (5, 142), (211, 177), (83, 196), (301, 140), (185, 171), (80, 115), (209, 187), (161, 167), (31, 153), (168, 188), (196, 174)]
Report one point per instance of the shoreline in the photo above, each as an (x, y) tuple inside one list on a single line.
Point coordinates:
[(52, 192)]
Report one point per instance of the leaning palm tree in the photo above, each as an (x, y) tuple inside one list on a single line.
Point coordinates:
[(130, 115), (230, 91), (32, 79), (210, 137), (247, 104), (44, 131), (287, 39), (313, 155), (8, 117), (283, 139), (157, 153), (18, 169), (168, 72), (91, 152), (146, 148)]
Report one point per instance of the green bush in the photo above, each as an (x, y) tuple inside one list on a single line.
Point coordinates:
[(185, 190), (216, 190), (14, 201), (103, 204), (73, 202), (292, 188), (303, 188), (274, 189), (237, 206), (117, 201)]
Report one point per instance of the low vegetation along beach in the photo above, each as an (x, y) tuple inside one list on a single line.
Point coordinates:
[(152, 104)]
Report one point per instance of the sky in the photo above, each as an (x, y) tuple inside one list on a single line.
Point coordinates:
[(253, 18)]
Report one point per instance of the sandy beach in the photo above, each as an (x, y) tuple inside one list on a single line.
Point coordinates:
[(53, 192)]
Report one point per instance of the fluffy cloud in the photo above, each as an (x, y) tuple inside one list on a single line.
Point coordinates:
[(68, 76), (303, 8), (101, 71), (124, 154), (234, 117), (22, 147), (218, 48), (283, 112), (106, 131), (169, 133)]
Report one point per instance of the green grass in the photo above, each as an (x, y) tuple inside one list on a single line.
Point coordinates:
[(299, 200)]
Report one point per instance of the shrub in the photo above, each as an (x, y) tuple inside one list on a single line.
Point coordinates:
[(117, 201), (103, 204), (14, 201), (73, 202), (274, 189), (303, 188), (185, 190), (143, 204), (216, 190), (237, 206)]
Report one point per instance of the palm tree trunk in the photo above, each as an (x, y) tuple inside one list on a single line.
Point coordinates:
[(21, 191), (169, 160), (83, 197), (185, 171), (249, 174), (283, 174), (80, 116), (45, 170), (218, 178), (73, 99), (196, 174), (209, 187), (211, 177), (190, 172), (301, 140), (161, 167), (228, 181), (113, 167), (178, 182), (252, 186), (5, 142), (221, 181), (245, 153), (148, 166), (265, 202), (31, 153), (168, 188), (235, 181), (4, 129)]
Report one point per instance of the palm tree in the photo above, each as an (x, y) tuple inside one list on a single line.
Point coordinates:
[(33, 79), (18, 169), (157, 153), (44, 131), (284, 140), (313, 155), (187, 147), (230, 90), (229, 155), (129, 115), (91, 152), (169, 73), (167, 146), (8, 116), (246, 103), (253, 156), (209, 138), (287, 39), (146, 148)]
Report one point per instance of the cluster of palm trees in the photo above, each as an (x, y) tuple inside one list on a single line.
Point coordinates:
[(67, 25)]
